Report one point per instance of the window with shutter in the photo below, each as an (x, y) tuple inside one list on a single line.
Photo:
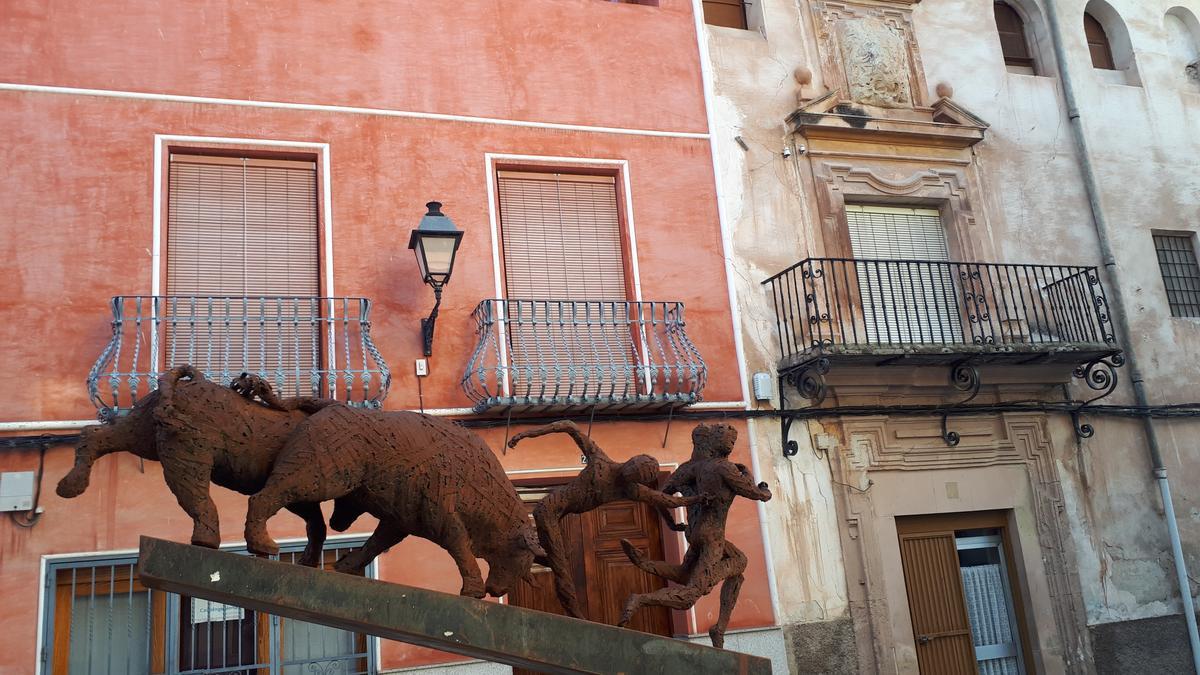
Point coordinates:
[(903, 303), (564, 271), (1013, 43), (241, 233), (728, 13), (1098, 44)]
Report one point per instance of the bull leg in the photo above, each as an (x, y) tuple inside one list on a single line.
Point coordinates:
[(454, 538), (384, 537), (188, 479), (346, 510), (314, 527)]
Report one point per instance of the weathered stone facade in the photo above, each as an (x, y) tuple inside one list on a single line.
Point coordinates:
[(909, 103)]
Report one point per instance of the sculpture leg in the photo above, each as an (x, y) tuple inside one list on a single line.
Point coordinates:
[(549, 529), (314, 527), (384, 537), (296, 480), (677, 573), (188, 478), (731, 566), (701, 581)]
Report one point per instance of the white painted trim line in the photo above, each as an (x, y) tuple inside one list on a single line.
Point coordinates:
[(54, 425), (352, 110), (735, 314)]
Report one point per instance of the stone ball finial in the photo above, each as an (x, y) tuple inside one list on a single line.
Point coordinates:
[(802, 74), (944, 90)]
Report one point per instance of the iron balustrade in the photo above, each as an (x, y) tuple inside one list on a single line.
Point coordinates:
[(305, 346), (564, 354), (900, 308)]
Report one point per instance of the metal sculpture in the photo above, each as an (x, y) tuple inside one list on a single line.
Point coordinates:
[(419, 476), (203, 433), (600, 482), (710, 559)]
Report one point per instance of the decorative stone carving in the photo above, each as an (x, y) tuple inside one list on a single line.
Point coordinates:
[(876, 61)]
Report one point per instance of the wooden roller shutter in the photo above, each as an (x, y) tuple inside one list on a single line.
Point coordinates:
[(903, 302), (562, 237), (241, 234), (562, 242), (1012, 36), (935, 601)]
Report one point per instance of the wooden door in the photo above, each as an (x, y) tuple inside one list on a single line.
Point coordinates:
[(604, 577), (940, 623)]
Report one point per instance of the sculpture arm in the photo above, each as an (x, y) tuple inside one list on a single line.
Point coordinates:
[(742, 484)]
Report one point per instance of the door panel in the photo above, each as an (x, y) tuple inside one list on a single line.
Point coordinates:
[(940, 623)]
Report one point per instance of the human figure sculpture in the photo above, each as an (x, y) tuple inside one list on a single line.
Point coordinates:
[(600, 482), (419, 475), (710, 559), (185, 424)]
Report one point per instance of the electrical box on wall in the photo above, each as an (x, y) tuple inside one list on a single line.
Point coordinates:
[(764, 387), (16, 491)]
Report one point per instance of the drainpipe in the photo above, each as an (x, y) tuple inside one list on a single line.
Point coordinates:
[(1091, 185)]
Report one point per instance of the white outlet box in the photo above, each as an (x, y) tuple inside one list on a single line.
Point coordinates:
[(422, 367)]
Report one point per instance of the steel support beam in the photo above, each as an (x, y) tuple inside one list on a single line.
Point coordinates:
[(451, 623)]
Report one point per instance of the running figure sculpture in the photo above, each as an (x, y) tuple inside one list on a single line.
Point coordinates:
[(710, 559), (601, 481)]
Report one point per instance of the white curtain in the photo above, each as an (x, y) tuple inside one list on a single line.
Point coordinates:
[(987, 607)]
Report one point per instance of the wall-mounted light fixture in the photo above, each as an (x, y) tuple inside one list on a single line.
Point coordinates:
[(435, 242)]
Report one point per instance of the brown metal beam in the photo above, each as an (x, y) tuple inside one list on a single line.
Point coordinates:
[(451, 623)]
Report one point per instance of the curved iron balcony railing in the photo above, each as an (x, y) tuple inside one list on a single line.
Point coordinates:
[(885, 311), (559, 355), (306, 346)]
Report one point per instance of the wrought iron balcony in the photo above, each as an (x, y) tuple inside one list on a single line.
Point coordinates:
[(306, 346), (921, 311), (559, 355)]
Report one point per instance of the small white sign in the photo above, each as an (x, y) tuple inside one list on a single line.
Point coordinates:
[(204, 611)]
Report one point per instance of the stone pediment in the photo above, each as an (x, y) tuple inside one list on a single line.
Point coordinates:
[(835, 116)]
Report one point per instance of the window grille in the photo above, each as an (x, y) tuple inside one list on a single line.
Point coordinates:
[(100, 619), (1180, 273)]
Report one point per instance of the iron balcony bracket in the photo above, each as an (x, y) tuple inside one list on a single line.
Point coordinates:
[(964, 376), (1100, 375)]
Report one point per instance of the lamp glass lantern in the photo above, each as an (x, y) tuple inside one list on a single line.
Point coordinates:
[(435, 243)]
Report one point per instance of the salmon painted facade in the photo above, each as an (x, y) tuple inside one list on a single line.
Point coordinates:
[(232, 171)]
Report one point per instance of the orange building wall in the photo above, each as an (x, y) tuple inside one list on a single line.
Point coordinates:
[(77, 187)]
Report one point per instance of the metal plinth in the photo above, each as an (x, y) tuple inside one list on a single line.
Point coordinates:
[(451, 623)]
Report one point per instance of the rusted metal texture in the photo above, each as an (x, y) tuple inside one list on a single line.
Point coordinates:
[(456, 624)]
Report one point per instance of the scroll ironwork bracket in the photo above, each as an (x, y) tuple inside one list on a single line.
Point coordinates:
[(964, 376), (809, 381), (1100, 375)]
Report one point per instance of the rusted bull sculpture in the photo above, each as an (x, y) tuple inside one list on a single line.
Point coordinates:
[(419, 476), (203, 433)]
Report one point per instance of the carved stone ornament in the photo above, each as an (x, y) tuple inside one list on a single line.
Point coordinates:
[(875, 58)]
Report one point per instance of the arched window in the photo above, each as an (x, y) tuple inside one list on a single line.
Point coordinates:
[(1013, 43), (1098, 44)]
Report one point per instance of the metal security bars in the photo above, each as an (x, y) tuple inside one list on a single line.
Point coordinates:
[(1180, 273), (101, 620), (878, 310), (556, 355), (306, 346)]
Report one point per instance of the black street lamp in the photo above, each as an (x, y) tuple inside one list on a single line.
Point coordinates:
[(435, 242)]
